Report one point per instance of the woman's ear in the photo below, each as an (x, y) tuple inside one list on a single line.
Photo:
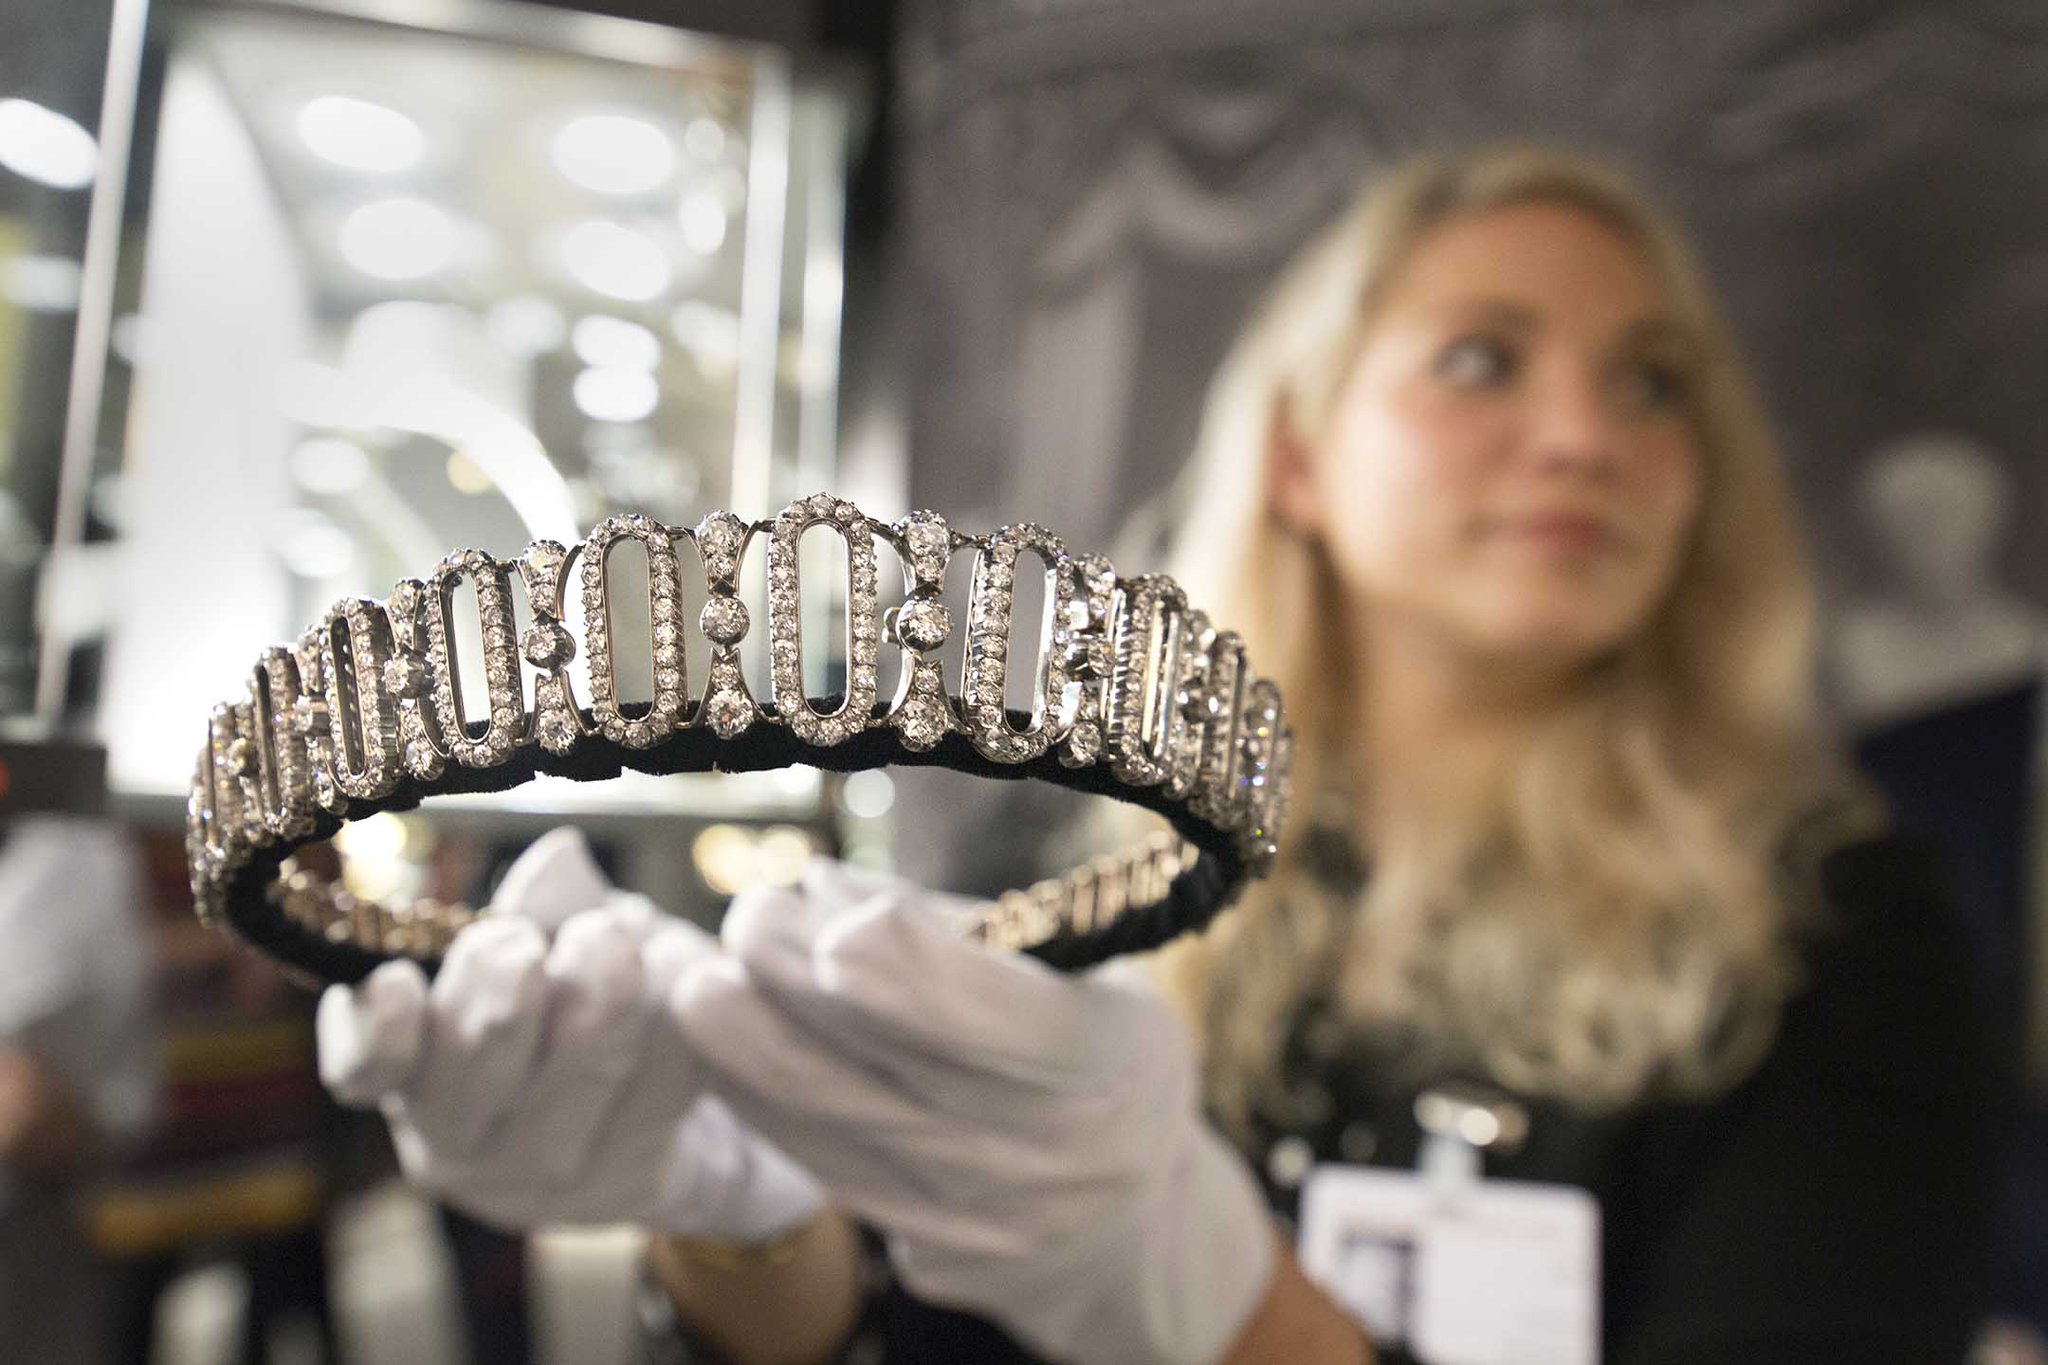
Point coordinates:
[(1291, 492)]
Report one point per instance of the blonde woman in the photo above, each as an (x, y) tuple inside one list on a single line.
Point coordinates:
[(1485, 486)]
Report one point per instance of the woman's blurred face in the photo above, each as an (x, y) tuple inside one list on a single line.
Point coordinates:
[(1510, 469)]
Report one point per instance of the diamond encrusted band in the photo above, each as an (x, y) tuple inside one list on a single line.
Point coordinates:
[(1134, 695)]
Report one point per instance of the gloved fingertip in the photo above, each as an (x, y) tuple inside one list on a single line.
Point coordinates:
[(635, 913), (762, 912), (589, 933), (833, 880), (598, 955), (555, 877), (668, 952), (494, 944), (494, 972), (706, 986), (368, 1037), (849, 902), (396, 987)]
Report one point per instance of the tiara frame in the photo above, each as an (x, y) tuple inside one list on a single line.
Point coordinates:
[(1135, 696)]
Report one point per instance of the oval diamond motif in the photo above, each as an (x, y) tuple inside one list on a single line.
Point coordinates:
[(362, 720), (988, 646), (500, 663), (785, 633), (664, 614), (409, 677)]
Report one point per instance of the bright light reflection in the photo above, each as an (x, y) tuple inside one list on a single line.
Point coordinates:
[(330, 465), (130, 337), (616, 395), (703, 220), (525, 324), (704, 138), (464, 476), (381, 836), (615, 261), (709, 333), (360, 136), (1479, 1127), (609, 343), (798, 780), (45, 146), (312, 546), (868, 794), (398, 239), (724, 855), (780, 855), (316, 395), (41, 284), (373, 856), (613, 154)]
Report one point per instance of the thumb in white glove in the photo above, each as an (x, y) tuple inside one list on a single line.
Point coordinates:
[(1030, 1142), (539, 1078)]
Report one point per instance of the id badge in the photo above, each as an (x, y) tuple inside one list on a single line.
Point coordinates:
[(1480, 1272)]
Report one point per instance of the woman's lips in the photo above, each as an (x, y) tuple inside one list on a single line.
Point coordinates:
[(1561, 532)]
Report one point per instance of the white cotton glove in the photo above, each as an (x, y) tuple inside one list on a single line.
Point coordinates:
[(1031, 1143), (540, 1080)]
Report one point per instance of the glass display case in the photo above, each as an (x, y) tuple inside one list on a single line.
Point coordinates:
[(391, 280)]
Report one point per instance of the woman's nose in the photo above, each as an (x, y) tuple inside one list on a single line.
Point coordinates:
[(1574, 425)]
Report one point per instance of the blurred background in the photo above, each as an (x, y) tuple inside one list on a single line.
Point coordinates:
[(296, 297)]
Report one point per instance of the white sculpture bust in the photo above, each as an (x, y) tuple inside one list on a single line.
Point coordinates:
[(1938, 506)]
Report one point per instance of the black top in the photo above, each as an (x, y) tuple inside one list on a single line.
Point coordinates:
[(1829, 1208)]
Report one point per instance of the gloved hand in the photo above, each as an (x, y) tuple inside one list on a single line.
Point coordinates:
[(539, 1079), (1030, 1143)]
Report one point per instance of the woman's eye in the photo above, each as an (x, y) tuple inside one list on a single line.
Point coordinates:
[(1653, 386), (1474, 362)]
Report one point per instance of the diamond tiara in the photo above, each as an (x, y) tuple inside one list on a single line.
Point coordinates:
[(1135, 696)]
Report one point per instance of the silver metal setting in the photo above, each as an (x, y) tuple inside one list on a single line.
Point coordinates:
[(362, 724), (921, 713), (1145, 727), (1268, 749), (729, 708), (664, 590), (785, 634), (286, 793), (989, 609), (557, 725), (408, 677), (311, 720), (506, 721), (1221, 705)]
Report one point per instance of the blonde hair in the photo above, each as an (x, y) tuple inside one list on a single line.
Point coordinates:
[(1607, 923)]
